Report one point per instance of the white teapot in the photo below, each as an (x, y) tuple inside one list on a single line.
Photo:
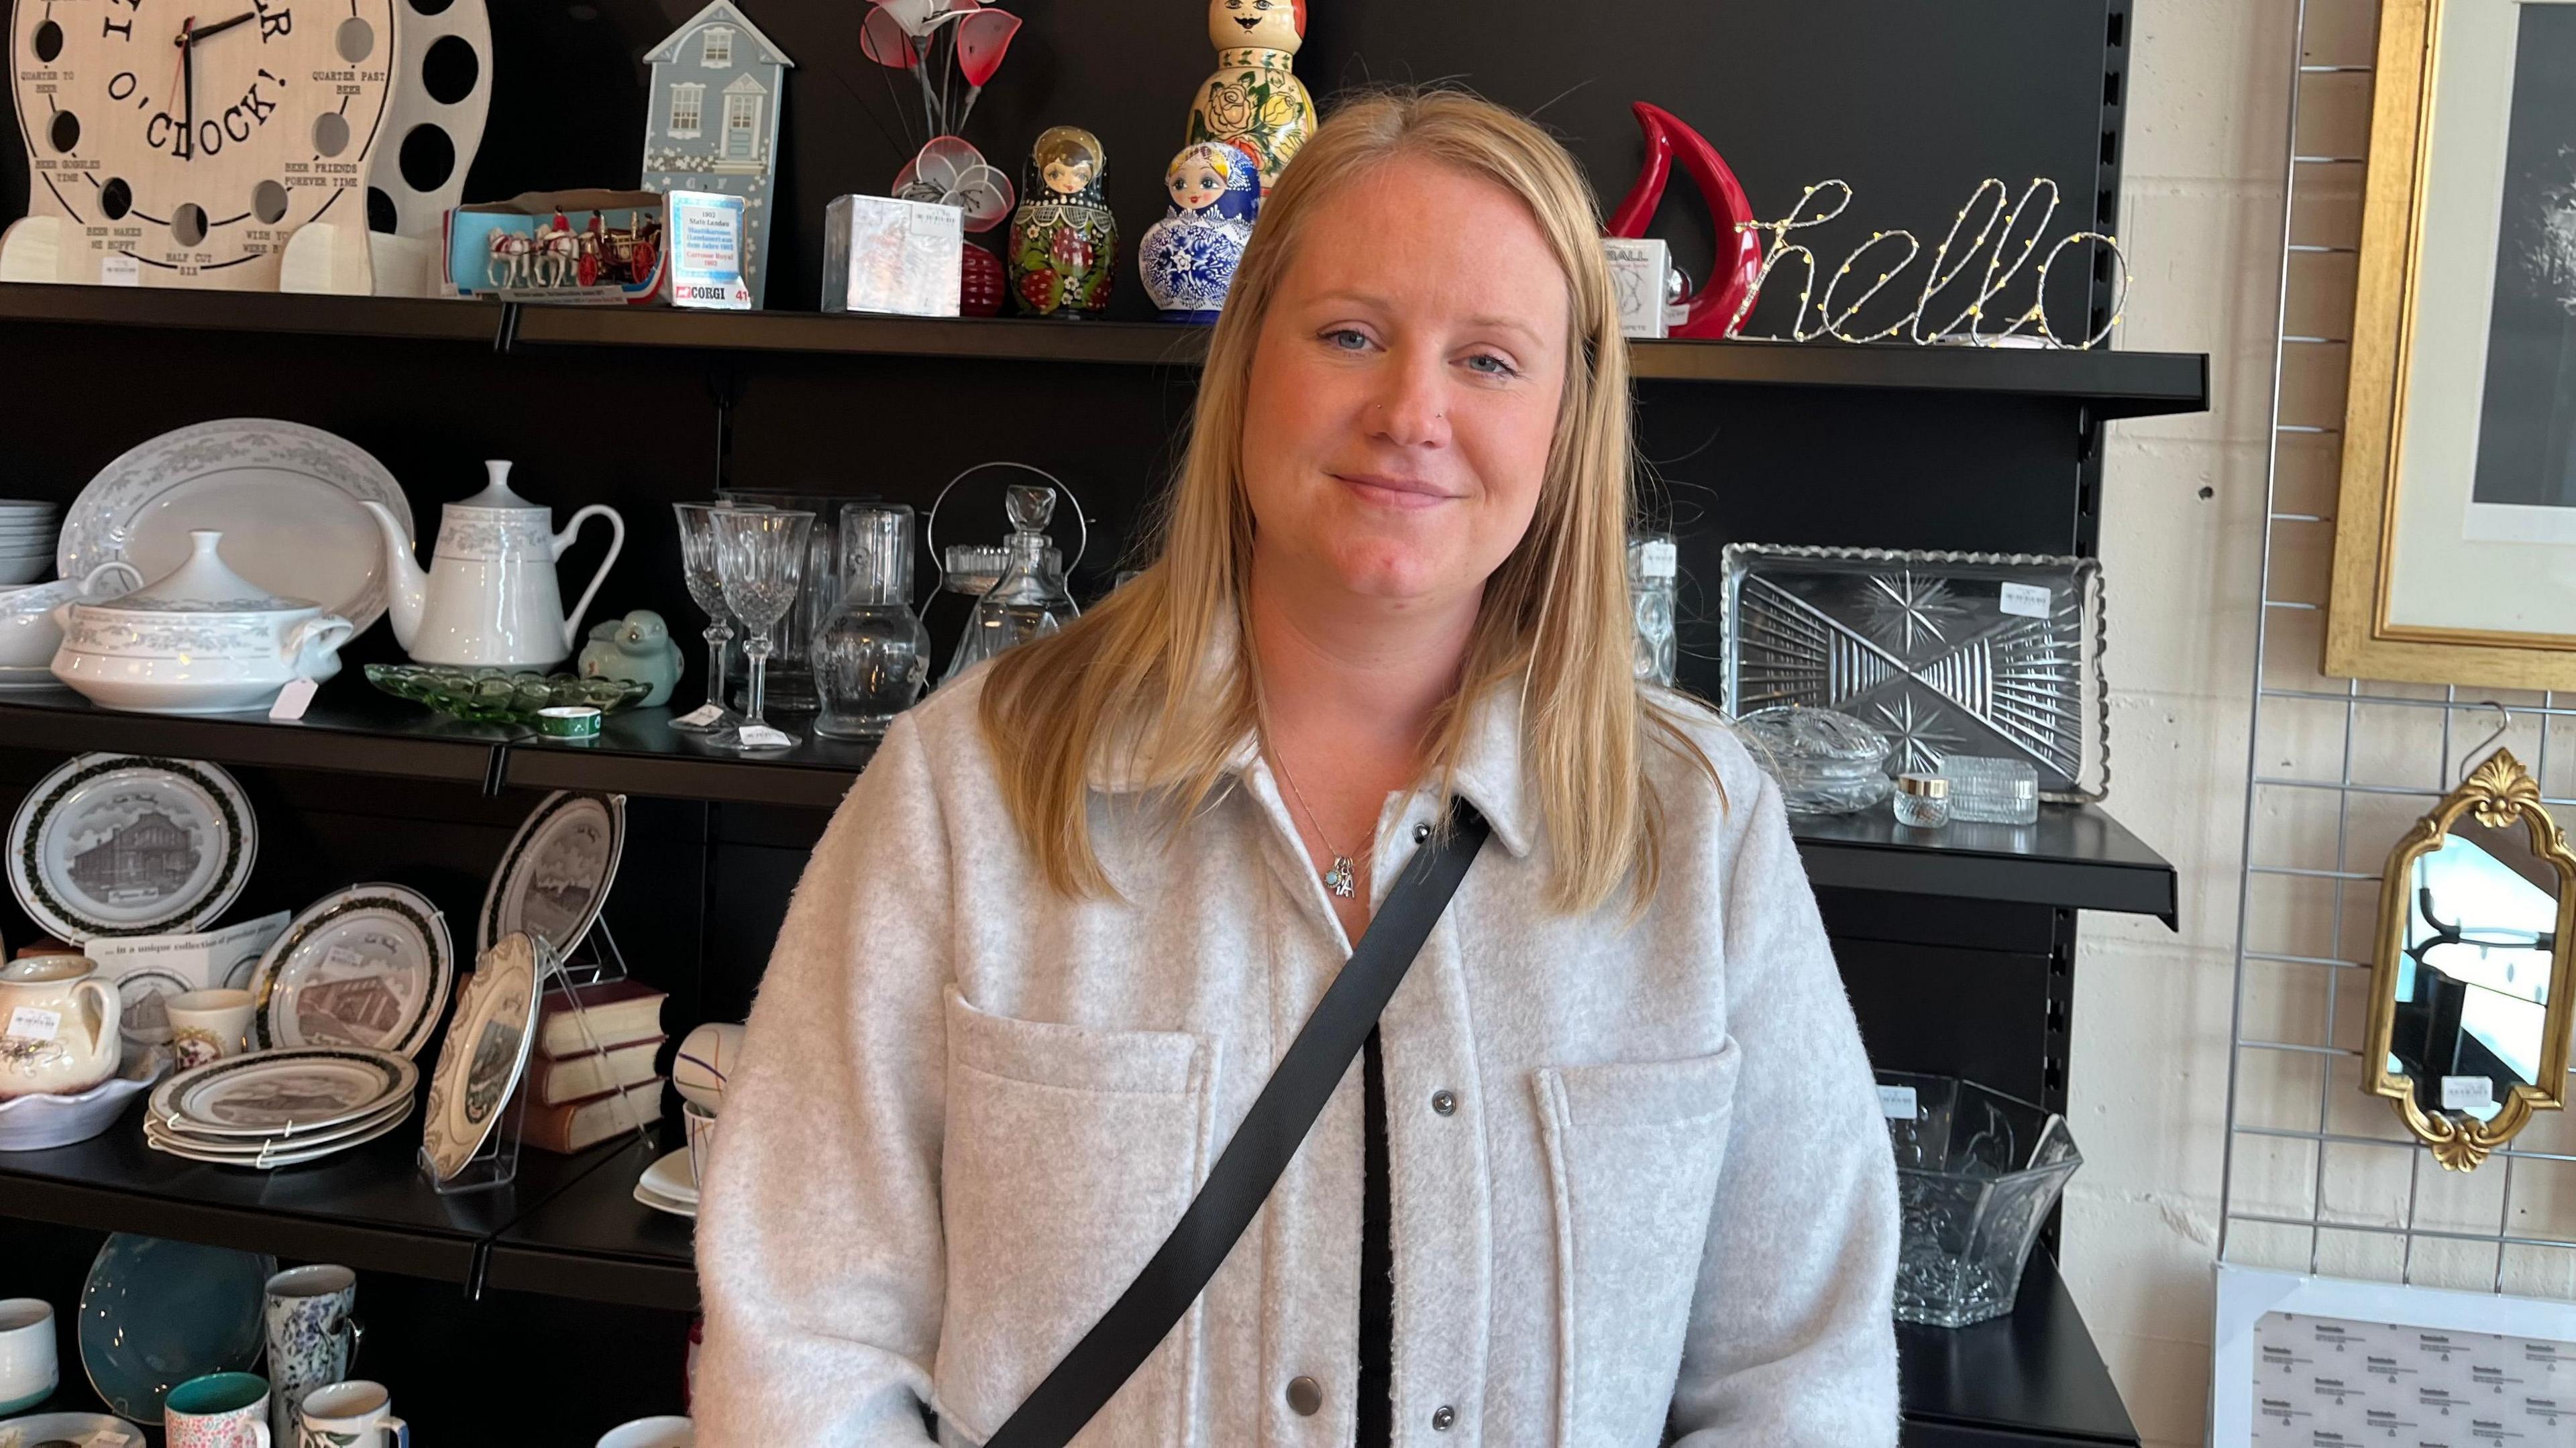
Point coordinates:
[(57, 1026), (489, 596)]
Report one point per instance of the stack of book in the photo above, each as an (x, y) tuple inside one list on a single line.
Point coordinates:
[(591, 1073)]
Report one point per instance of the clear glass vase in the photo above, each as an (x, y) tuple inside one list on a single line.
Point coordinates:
[(1976, 1175), (870, 655), (1029, 601)]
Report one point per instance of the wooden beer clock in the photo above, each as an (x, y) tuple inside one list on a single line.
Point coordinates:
[(199, 143)]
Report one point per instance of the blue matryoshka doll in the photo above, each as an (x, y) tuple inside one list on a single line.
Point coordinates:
[(1188, 258)]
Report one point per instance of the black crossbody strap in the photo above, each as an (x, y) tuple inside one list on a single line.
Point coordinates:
[(1252, 1161)]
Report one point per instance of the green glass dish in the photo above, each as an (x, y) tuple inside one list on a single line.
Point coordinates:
[(502, 696)]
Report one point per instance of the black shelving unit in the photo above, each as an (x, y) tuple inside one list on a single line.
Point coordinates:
[(1958, 948), (2113, 383), (2076, 857)]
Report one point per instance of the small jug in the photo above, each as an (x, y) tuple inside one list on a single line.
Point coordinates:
[(57, 1026), (489, 597)]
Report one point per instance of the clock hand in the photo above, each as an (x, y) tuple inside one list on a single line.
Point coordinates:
[(188, 86), (193, 35)]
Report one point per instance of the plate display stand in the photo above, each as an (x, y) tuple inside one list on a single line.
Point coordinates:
[(496, 1162)]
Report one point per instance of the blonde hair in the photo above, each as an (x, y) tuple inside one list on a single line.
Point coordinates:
[(1129, 687)]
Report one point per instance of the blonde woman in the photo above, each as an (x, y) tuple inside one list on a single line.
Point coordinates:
[(1611, 1168)]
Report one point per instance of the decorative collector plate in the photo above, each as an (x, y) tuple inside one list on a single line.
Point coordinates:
[(126, 844), (368, 966), (555, 876), (1971, 654), (282, 1093), (284, 495), (485, 1053)]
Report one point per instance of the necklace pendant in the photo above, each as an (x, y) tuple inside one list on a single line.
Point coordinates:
[(1343, 878)]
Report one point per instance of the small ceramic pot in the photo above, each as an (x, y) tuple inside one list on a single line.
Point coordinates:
[(202, 640), (28, 633), (29, 1371)]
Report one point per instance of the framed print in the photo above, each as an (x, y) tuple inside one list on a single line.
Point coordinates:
[(2455, 533), (2299, 1361)]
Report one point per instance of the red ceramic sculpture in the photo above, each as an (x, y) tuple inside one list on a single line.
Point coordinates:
[(1738, 269)]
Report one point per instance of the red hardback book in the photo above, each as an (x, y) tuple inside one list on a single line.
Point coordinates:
[(618, 1013), (572, 1126), (576, 1078)]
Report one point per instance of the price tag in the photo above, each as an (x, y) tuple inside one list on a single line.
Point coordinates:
[(1658, 559), (1896, 1103), (2467, 1093), (27, 1023), (2024, 600), (701, 716), (120, 269), (292, 700), (761, 736)]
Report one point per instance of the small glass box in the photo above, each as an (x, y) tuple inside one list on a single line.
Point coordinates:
[(1992, 791)]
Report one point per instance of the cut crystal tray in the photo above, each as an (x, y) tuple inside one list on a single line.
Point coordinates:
[(1994, 655)]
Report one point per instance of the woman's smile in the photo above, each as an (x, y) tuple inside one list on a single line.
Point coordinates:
[(1400, 494)]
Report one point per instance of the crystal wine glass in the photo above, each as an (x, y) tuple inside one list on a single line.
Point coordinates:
[(706, 590), (760, 560)]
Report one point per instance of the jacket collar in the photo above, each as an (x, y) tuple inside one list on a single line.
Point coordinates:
[(1490, 772)]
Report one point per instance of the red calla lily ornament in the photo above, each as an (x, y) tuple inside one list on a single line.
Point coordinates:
[(1712, 310), (927, 38)]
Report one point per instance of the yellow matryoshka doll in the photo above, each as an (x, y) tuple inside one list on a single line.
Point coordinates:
[(1255, 100)]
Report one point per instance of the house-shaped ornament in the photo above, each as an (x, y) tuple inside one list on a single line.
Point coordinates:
[(712, 121)]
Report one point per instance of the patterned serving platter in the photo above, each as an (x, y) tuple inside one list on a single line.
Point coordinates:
[(285, 496), (128, 844), (368, 966)]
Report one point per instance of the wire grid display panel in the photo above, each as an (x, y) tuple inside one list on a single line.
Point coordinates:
[(2319, 1176)]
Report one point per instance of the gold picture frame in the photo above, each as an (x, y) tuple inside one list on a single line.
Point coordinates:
[(2498, 794), (2363, 639)]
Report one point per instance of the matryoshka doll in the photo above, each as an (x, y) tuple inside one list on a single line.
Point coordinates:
[(1188, 258), (1064, 241), (1255, 98)]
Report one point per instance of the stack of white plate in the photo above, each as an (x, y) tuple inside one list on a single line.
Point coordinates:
[(670, 1185), (281, 1108), (27, 530)]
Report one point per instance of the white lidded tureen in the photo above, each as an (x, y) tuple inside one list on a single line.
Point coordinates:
[(201, 640), (28, 633)]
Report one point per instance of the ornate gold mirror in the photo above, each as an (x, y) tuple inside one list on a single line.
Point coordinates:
[(2470, 991)]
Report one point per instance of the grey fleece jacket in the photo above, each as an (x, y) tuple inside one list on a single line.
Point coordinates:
[(1661, 1200)]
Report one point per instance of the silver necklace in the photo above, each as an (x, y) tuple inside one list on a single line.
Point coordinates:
[(1343, 878)]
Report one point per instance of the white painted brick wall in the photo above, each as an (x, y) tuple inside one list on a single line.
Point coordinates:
[(2200, 220)]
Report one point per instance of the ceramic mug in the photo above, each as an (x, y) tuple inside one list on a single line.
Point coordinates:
[(207, 1025), (28, 1371), (670, 1432), (219, 1410), (702, 1140), (312, 1336), (354, 1414)]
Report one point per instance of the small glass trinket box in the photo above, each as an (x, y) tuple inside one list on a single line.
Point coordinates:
[(1992, 791)]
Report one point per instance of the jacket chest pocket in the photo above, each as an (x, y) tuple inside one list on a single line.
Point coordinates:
[(1633, 1154), (1070, 1152)]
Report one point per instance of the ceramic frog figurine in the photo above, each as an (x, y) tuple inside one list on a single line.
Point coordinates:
[(1188, 258), (1064, 241), (638, 647), (1254, 97)]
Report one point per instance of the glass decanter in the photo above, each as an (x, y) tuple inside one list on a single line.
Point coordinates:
[(870, 654), (1029, 601)]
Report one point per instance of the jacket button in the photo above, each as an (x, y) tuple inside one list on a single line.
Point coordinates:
[(1444, 1103), (1443, 1417), (1421, 833), (1305, 1395)]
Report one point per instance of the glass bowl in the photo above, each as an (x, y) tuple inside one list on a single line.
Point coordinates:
[(502, 696)]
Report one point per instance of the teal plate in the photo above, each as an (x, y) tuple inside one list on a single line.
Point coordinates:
[(156, 1313), (502, 696)]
